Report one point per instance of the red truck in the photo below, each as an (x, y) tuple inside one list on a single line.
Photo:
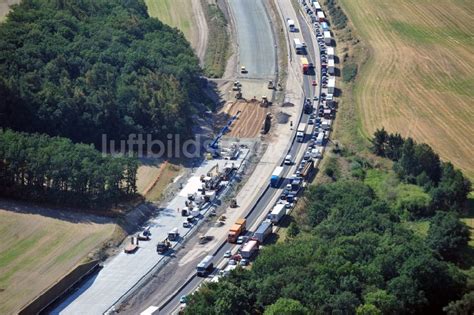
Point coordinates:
[(236, 230), (305, 65)]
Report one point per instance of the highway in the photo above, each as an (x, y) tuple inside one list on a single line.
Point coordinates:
[(267, 200), (255, 41)]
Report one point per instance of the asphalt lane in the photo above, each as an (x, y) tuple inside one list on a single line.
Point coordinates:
[(254, 38)]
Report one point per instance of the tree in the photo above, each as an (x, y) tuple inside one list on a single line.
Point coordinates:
[(464, 306), (368, 309), (285, 306), (86, 68), (293, 230), (447, 235), (378, 142)]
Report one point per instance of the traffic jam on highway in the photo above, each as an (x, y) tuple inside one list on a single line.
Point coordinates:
[(311, 135)]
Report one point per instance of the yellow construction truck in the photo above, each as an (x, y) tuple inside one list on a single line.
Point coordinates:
[(236, 230)]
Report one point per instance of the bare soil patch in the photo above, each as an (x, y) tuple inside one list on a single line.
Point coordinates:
[(250, 118)]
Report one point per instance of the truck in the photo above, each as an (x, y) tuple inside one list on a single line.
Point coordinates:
[(163, 246), (305, 65), (291, 25), (307, 169), (300, 132), (320, 138), (278, 211), (249, 249), (205, 266), (276, 176), (321, 16), (236, 230), (263, 231), (299, 47)]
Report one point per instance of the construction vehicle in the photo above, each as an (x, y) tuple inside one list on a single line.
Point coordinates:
[(173, 235), (145, 235), (132, 247), (305, 65), (267, 122), (236, 230), (163, 246), (264, 101), (236, 86), (270, 85), (203, 239)]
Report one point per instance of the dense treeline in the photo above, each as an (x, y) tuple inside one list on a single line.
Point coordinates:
[(55, 170), (80, 69), (358, 258), (419, 164)]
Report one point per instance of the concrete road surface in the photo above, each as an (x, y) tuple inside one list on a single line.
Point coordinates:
[(255, 40)]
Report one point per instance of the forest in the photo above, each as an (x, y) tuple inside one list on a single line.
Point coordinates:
[(55, 170), (352, 250), (80, 69)]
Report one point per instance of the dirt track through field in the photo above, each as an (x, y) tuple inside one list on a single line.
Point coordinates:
[(420, 79), (250, 119)]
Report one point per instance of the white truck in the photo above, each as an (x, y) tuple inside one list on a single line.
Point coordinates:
[(249, 249), (291, 25), (263, 231), (299, 46), (205, 266), (300, 132), (320, 138), (278, 211)]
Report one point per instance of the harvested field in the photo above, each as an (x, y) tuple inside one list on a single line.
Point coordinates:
[(185, 15), (419, 80), (5, 7), (249, 121), (38, 246)]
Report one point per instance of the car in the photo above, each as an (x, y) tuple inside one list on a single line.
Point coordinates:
[(227, 254), (243, 69), (325, 85), (288, 160), (312, 116), (183, 299), (314, 83), (315, 98), (242, 239), (244, 262), (306, 156), (232, 262), (310, 121)]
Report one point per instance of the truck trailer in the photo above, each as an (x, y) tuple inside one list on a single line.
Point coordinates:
[(263, 231), (299, 47), (276, 176), (205, 266), (236, 230), (249, 249), (278, 211), (300, 132)]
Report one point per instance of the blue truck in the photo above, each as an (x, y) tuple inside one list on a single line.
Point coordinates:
[(276, 176)]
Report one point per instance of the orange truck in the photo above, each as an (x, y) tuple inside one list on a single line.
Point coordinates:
[(305, 65), (236, 229)]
